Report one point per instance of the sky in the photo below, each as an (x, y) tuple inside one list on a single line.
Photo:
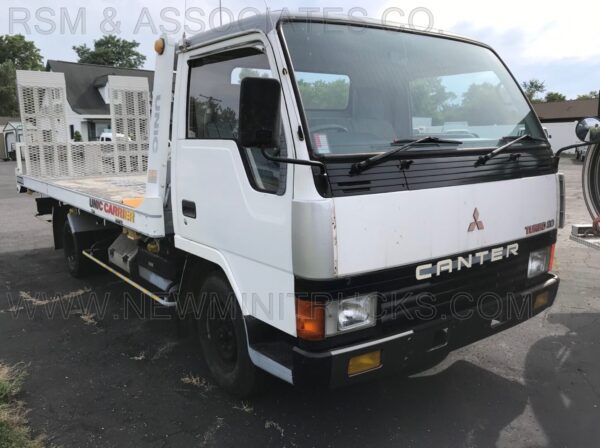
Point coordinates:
[(556, 42)]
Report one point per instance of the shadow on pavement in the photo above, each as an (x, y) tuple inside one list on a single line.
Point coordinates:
[(561, 374)]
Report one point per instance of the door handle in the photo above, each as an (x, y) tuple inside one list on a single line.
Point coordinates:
[(188, 209)]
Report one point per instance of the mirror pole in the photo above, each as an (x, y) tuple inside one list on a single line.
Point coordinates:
[(566, 148)]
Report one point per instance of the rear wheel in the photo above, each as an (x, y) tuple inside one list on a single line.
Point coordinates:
[(73, 244), (222, 335)]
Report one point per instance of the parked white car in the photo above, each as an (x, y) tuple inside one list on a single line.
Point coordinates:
[(108, 136)]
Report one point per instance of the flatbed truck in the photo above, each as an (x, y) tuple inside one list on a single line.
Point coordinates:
[(327, 200)]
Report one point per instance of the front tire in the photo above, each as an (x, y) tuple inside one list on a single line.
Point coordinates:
[(223, 338)]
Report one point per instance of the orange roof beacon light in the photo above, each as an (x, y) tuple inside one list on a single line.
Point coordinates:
[(159, 46)]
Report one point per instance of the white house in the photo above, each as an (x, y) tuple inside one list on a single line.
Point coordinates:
[(88, 109)]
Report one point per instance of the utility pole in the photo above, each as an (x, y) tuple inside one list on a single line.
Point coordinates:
[(221, 12)]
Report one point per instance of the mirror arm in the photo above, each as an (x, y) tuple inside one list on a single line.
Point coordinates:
[(566, 148), (319, 165)]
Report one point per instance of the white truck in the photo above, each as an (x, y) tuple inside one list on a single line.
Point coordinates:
[(281, 197)]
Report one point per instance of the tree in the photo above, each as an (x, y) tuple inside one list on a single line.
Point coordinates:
[(113, 51), (483, 104), (431, 99), (16, 53), (593, 95), (533, 87), (9, 104), (322, 94), (554, 97), (22, 53)]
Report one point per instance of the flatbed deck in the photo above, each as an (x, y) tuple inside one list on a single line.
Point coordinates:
[(111, 188), (116, 198)]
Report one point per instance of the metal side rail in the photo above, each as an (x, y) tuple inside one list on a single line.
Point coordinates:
[(584, 234), (126, 279)]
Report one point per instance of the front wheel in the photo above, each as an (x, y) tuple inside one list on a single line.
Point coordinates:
[(222, 335)]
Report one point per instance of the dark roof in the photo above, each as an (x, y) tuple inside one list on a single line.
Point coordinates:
[(5, 120), (566, 110), (268, 22), (83, 81)]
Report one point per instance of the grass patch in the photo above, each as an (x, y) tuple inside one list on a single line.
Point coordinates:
[(14, 432)]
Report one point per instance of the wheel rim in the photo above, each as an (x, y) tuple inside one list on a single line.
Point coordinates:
[(221, 335)]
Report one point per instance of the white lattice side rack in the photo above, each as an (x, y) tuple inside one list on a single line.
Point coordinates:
[(104, 178)]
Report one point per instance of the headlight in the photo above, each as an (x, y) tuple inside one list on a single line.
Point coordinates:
[(539, 262), (351, 314)]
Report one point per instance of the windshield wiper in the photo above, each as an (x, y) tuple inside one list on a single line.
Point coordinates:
[(364, 165), (484, 159)]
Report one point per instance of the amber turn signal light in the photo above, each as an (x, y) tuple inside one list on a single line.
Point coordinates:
[(364, 363), (552, 252), (310, 320)]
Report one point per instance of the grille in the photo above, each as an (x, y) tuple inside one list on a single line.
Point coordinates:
[(452, 292), (435, 172)]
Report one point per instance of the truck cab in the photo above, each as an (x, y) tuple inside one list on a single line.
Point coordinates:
[(354, 257)]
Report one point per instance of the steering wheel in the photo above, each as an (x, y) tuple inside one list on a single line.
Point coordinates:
[(332, 126)]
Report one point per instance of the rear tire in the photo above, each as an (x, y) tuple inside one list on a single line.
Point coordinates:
[(78, 265), (222, 335)]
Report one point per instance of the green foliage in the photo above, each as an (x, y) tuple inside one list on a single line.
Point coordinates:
[(321, 94), (431, 99), (593, 95), (16, 53), (532, 88), (77, 136), (21, 52), (554, 97), (210, 120), (9, 104), (480, 105), (483, 104), (112, 51)]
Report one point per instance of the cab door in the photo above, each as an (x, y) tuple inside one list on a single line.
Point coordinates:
[(231, 205)]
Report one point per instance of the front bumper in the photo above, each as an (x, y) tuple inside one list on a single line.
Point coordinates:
[(424, 345)]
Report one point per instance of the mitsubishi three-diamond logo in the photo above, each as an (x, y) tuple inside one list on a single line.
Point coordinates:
[(476, 224)]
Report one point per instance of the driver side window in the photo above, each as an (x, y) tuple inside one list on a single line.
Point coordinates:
[(213, 110)]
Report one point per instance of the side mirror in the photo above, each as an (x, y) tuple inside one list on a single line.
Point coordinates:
[(588, 130), (260, 114)]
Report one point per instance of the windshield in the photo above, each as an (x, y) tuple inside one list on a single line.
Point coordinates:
[(364, 88)]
